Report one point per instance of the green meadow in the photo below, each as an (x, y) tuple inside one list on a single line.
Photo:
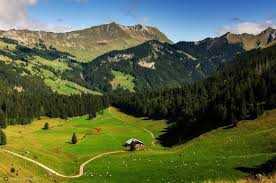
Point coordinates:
[(214, 156)]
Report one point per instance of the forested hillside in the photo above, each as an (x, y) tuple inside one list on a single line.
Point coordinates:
[(147, 66), (155, 65), (24, 97), (58, 70), (242, 90)]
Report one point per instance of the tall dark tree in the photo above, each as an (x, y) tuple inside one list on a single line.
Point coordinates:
[(74, 139), (3, 138)]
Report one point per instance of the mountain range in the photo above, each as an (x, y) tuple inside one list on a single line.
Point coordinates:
[(112, 56), (89, 43)]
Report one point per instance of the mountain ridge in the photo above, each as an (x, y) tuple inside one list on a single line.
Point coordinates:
[(87, 44), (249, 41), (154, 64), (149, 65)]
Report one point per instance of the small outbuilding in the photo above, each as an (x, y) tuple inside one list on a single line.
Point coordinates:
[(134, 144)]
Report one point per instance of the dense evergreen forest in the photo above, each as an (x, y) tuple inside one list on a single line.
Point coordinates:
[(23, 107), (23, 98), (241, 90)]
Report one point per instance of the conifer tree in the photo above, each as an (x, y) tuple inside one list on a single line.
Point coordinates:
[(3, 138), (74, 139)]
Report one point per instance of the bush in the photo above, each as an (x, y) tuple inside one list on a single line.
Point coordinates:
[(12, 170), (46, 126)]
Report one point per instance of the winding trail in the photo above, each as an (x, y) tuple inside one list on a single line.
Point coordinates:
[(151, 134), (82, 166)]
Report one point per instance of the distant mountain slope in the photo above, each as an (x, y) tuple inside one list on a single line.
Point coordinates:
[(228, 44), (89, 43), (249, 41), (212, 50), (54, 68), (155, 65)]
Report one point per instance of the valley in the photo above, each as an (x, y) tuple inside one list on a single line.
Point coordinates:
[(124, 103)]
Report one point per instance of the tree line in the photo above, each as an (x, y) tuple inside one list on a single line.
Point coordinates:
[(25, 97), (242, 89), (22, 108)]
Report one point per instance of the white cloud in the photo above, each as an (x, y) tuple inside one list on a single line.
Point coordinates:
[(247, 27), (13, 13)]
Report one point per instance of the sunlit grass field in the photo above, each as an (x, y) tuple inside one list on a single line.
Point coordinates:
[(107, 132), (213, 156)]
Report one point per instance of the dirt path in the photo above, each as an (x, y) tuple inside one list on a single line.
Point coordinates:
[(82, 166), (151, 134)]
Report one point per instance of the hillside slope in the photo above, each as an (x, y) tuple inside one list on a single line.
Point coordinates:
[(89, 43), (150, 65), (155, 64), (223, 155), (54, 68), (249, 41), (234, 42)]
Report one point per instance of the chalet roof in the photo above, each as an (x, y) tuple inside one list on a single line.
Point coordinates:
[(128, 142)]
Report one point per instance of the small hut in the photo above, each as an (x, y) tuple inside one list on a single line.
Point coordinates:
[(134, 144)]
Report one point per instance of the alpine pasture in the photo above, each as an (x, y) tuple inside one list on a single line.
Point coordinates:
[(215, 156)]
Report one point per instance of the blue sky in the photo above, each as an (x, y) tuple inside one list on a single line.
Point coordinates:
[(179, 19)]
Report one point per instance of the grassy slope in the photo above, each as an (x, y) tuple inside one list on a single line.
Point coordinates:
[(213, 156), (24, 171), (49, 70), (52, 147)]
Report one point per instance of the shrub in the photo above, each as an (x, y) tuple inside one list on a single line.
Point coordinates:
[(46, 126)]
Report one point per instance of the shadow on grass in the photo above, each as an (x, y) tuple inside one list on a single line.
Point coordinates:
[(229, 127), (266, 168)]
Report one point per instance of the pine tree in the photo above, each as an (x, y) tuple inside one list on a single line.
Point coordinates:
[(3, 138), (74, 139), (3, 121), (243, 110)]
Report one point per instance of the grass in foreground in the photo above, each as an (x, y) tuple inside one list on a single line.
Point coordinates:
[(211, 157), (52, 147)]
